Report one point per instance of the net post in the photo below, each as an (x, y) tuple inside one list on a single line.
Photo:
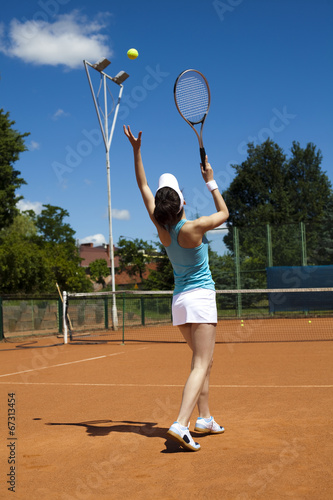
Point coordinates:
[(142, 302), (106, 313), (237, 269), (60, 315), (123, 334), (1, 321), (64, 313), (269, 246), (303, 240)]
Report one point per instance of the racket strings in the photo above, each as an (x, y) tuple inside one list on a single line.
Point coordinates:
[(192, 98)]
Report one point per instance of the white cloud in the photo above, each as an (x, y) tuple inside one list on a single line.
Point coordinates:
[(36, 206), (96, 239), (59, 113), (120, 214), (117, 214), (34, 145), (66, 41)]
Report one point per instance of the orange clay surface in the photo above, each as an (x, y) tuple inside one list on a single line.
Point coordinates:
[(91, 422)]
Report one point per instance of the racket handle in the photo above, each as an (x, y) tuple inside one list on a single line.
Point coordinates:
[(203, 157)]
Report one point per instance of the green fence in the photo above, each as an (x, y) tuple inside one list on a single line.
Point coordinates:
[(146, 316), (133, 309), (26, 316), (249, 250), (22, 316), (90, 315)]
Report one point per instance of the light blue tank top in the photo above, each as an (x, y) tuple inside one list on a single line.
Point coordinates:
[(190, 265)]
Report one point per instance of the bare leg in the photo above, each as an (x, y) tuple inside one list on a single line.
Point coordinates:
[(201, 339), (203, 405)]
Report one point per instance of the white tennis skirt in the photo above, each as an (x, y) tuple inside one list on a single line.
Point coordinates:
[(194, 306)]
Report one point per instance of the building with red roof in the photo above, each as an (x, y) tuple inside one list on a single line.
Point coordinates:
[(123, 280)]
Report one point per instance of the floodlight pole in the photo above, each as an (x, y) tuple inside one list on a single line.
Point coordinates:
[(107, 142)]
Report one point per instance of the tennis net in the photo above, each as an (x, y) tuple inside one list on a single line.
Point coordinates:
[(261, 315)]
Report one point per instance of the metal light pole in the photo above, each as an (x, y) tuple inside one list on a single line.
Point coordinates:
[(118, 79)]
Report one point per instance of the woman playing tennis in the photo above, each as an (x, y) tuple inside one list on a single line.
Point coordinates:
[(194, 303)]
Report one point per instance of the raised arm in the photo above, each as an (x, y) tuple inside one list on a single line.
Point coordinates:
[(147, 195), (206, 223)]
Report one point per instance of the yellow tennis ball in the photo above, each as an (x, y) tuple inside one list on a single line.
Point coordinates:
[(132, 53), (309, 320)]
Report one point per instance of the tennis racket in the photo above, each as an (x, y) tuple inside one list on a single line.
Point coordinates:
[(192, 98)]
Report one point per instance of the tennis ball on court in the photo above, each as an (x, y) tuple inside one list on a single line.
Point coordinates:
[(309, 320), (132, 53)]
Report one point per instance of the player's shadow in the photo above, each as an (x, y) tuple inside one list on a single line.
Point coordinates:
[(148, 429)]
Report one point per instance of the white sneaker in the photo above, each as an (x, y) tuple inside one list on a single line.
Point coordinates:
[(208, 426), (182, 436)]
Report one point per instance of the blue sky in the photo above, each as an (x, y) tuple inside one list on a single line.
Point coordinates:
[(268, 63)]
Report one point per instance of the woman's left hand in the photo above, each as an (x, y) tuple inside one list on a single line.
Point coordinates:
[(207, 173), (135, 141)]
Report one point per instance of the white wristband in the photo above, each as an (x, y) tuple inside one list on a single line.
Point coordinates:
[(212, 185)]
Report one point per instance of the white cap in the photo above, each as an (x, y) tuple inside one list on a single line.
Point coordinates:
[(169, 180)]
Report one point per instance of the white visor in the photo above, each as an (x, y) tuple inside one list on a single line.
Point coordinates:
[(169, 180)]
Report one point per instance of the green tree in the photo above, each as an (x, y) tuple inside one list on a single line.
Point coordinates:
[(223, 270), (57, 243), (51, 226), (312, 196), (270, 189), (23, 267), (309, 188), (257, 194), (99, 270), (29, 264), (320, 238), (134, 255), (11, 145), (64, 261), (23, 225), (162, 278), (36, 251)]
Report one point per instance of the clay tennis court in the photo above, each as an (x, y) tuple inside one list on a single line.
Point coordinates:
[(91, 422)]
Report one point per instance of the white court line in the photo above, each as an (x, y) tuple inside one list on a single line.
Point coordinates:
[(61, 364), (69, 363), (172, 385)]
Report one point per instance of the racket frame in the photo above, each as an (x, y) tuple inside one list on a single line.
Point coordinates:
[(191, 123)]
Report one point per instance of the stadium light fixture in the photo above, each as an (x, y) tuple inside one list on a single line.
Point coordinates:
[(101, 64), (120, 77), (103, 116)]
